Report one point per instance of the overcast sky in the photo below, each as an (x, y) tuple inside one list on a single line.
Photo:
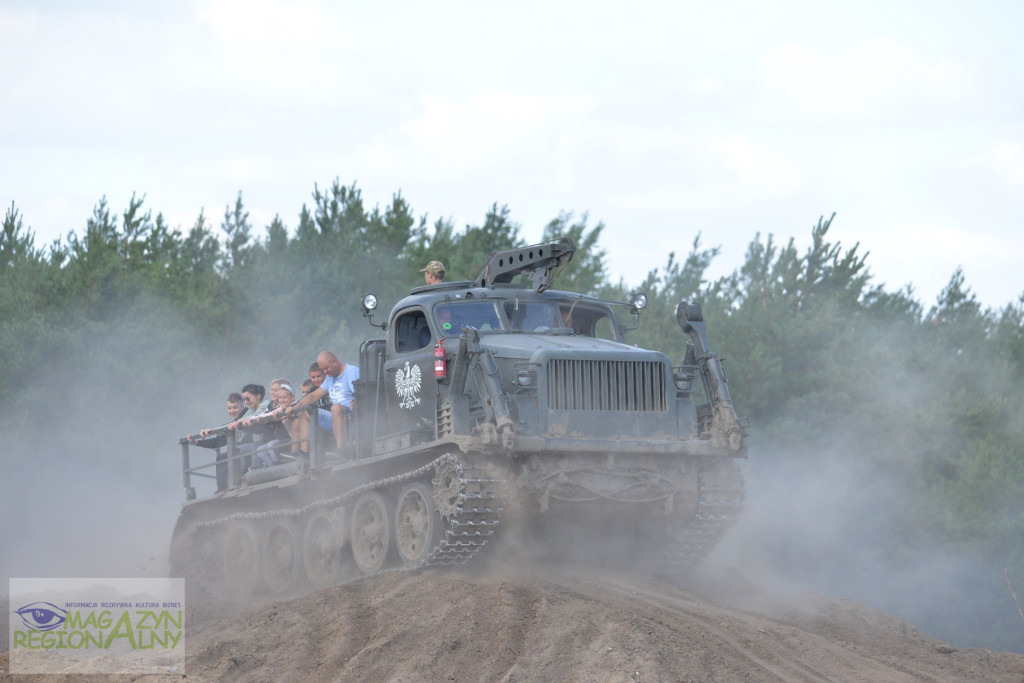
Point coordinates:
[(660, 120)]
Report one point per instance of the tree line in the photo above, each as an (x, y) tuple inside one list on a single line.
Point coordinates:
[(820, 358)]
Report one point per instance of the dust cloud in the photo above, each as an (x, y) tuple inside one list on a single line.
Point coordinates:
[(824, 524), (92, 481), (847, 499), (92, 488)]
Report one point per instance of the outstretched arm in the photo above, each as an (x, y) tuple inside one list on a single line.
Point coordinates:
[(310, 398)]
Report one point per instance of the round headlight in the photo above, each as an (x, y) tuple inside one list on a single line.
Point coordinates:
[(369, 302), (638, 300), (525, 377)]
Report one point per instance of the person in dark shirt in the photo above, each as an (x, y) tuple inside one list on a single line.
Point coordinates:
[(236, 410)]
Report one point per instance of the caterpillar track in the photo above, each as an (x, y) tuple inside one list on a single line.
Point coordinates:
[(446, 513), (719, 508)]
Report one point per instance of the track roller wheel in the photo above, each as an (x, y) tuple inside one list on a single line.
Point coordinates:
[(417, 523), (241, 553), (371, 532), (196, 556), (320, 551), (281, 557)]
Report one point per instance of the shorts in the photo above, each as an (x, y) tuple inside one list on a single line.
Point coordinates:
[(327, 419)]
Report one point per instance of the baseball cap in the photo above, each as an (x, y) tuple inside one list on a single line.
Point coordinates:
[(434, 268)]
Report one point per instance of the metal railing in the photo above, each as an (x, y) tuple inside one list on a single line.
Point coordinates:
[(237, 460)]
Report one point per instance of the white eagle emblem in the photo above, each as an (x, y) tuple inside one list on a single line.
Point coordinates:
[(407, 384)]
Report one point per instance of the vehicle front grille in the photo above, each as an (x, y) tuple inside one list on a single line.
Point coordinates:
[(632, 386)]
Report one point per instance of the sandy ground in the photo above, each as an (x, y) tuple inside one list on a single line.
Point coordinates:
[(563, 623)]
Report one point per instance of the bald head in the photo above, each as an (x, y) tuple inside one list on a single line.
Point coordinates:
[(329, 363)]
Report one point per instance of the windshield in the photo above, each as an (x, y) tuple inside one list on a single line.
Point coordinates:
[(532, 316), (482, 315), (589, 319)]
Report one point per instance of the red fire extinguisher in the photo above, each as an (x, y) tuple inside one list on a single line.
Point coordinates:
[(440, 361)]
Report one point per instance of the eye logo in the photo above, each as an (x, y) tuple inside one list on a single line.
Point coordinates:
[(41, 616)]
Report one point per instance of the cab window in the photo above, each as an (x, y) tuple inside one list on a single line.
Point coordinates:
[(589, 321), (411, 331), (604, 328)]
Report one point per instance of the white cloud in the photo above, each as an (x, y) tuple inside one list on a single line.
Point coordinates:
[(244, 169), (881, 77), (762, 173), (16, 26), (734, 171), (1005, 159), (927, 254), (706, 86), (455, 137), (131, 65), (278, 44), (946, 243), (261, 27)]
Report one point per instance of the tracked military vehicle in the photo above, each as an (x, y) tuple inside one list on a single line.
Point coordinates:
[(490, 409)]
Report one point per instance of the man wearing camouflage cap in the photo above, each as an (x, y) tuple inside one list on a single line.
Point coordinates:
[(433, 273)]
